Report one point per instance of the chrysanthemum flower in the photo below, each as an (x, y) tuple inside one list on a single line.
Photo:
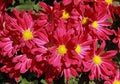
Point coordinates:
[(98, 26), (23, 63), (29, 59), (100, 64), (81, 45), (49, 16), (60, 51), (25, 31), (9, 68)]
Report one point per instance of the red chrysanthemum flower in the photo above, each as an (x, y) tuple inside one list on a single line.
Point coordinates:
[(23, 63), (100, 64), (49, 16), (60, 51), (81, 43), (9, 68), (98, 26), (22, 29)]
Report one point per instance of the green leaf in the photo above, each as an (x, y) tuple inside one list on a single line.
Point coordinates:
[(116, 3), (35, 81), (21, 1), (43, 81), (73, 80), (91, 82), (23, 81), (26, 6), (36, 7)]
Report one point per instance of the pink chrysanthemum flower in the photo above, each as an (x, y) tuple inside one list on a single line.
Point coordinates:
[(23, 63), (22, 29), (81, 44), (49, 16), (9, 68), (31, 60), (28, 59), (98, 26), (60, 51), (100, 64)]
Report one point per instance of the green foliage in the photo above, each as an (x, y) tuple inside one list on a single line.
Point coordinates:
[(73, 80), (43, 81), (23, 81), (25, 5), (116, 3)]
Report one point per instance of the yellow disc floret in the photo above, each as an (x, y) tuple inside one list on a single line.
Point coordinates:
[(62, 49), (116, 82), (108, 1), (84, 20), (95, 24), (78, 49), (65, 14), (27, 34), (97, 60)]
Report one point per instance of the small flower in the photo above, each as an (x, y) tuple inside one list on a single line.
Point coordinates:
[(81, 45), (25, 31), (100, 64), (98, 29)]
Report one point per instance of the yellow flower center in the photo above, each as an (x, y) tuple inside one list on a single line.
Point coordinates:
[(95, 24), (27, 34), (62, 50), (78, 49), (116, 82), (97, 60), (108, 1), (65, 14), (84, 20)]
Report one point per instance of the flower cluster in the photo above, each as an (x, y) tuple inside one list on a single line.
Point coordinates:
[(67, 39)]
